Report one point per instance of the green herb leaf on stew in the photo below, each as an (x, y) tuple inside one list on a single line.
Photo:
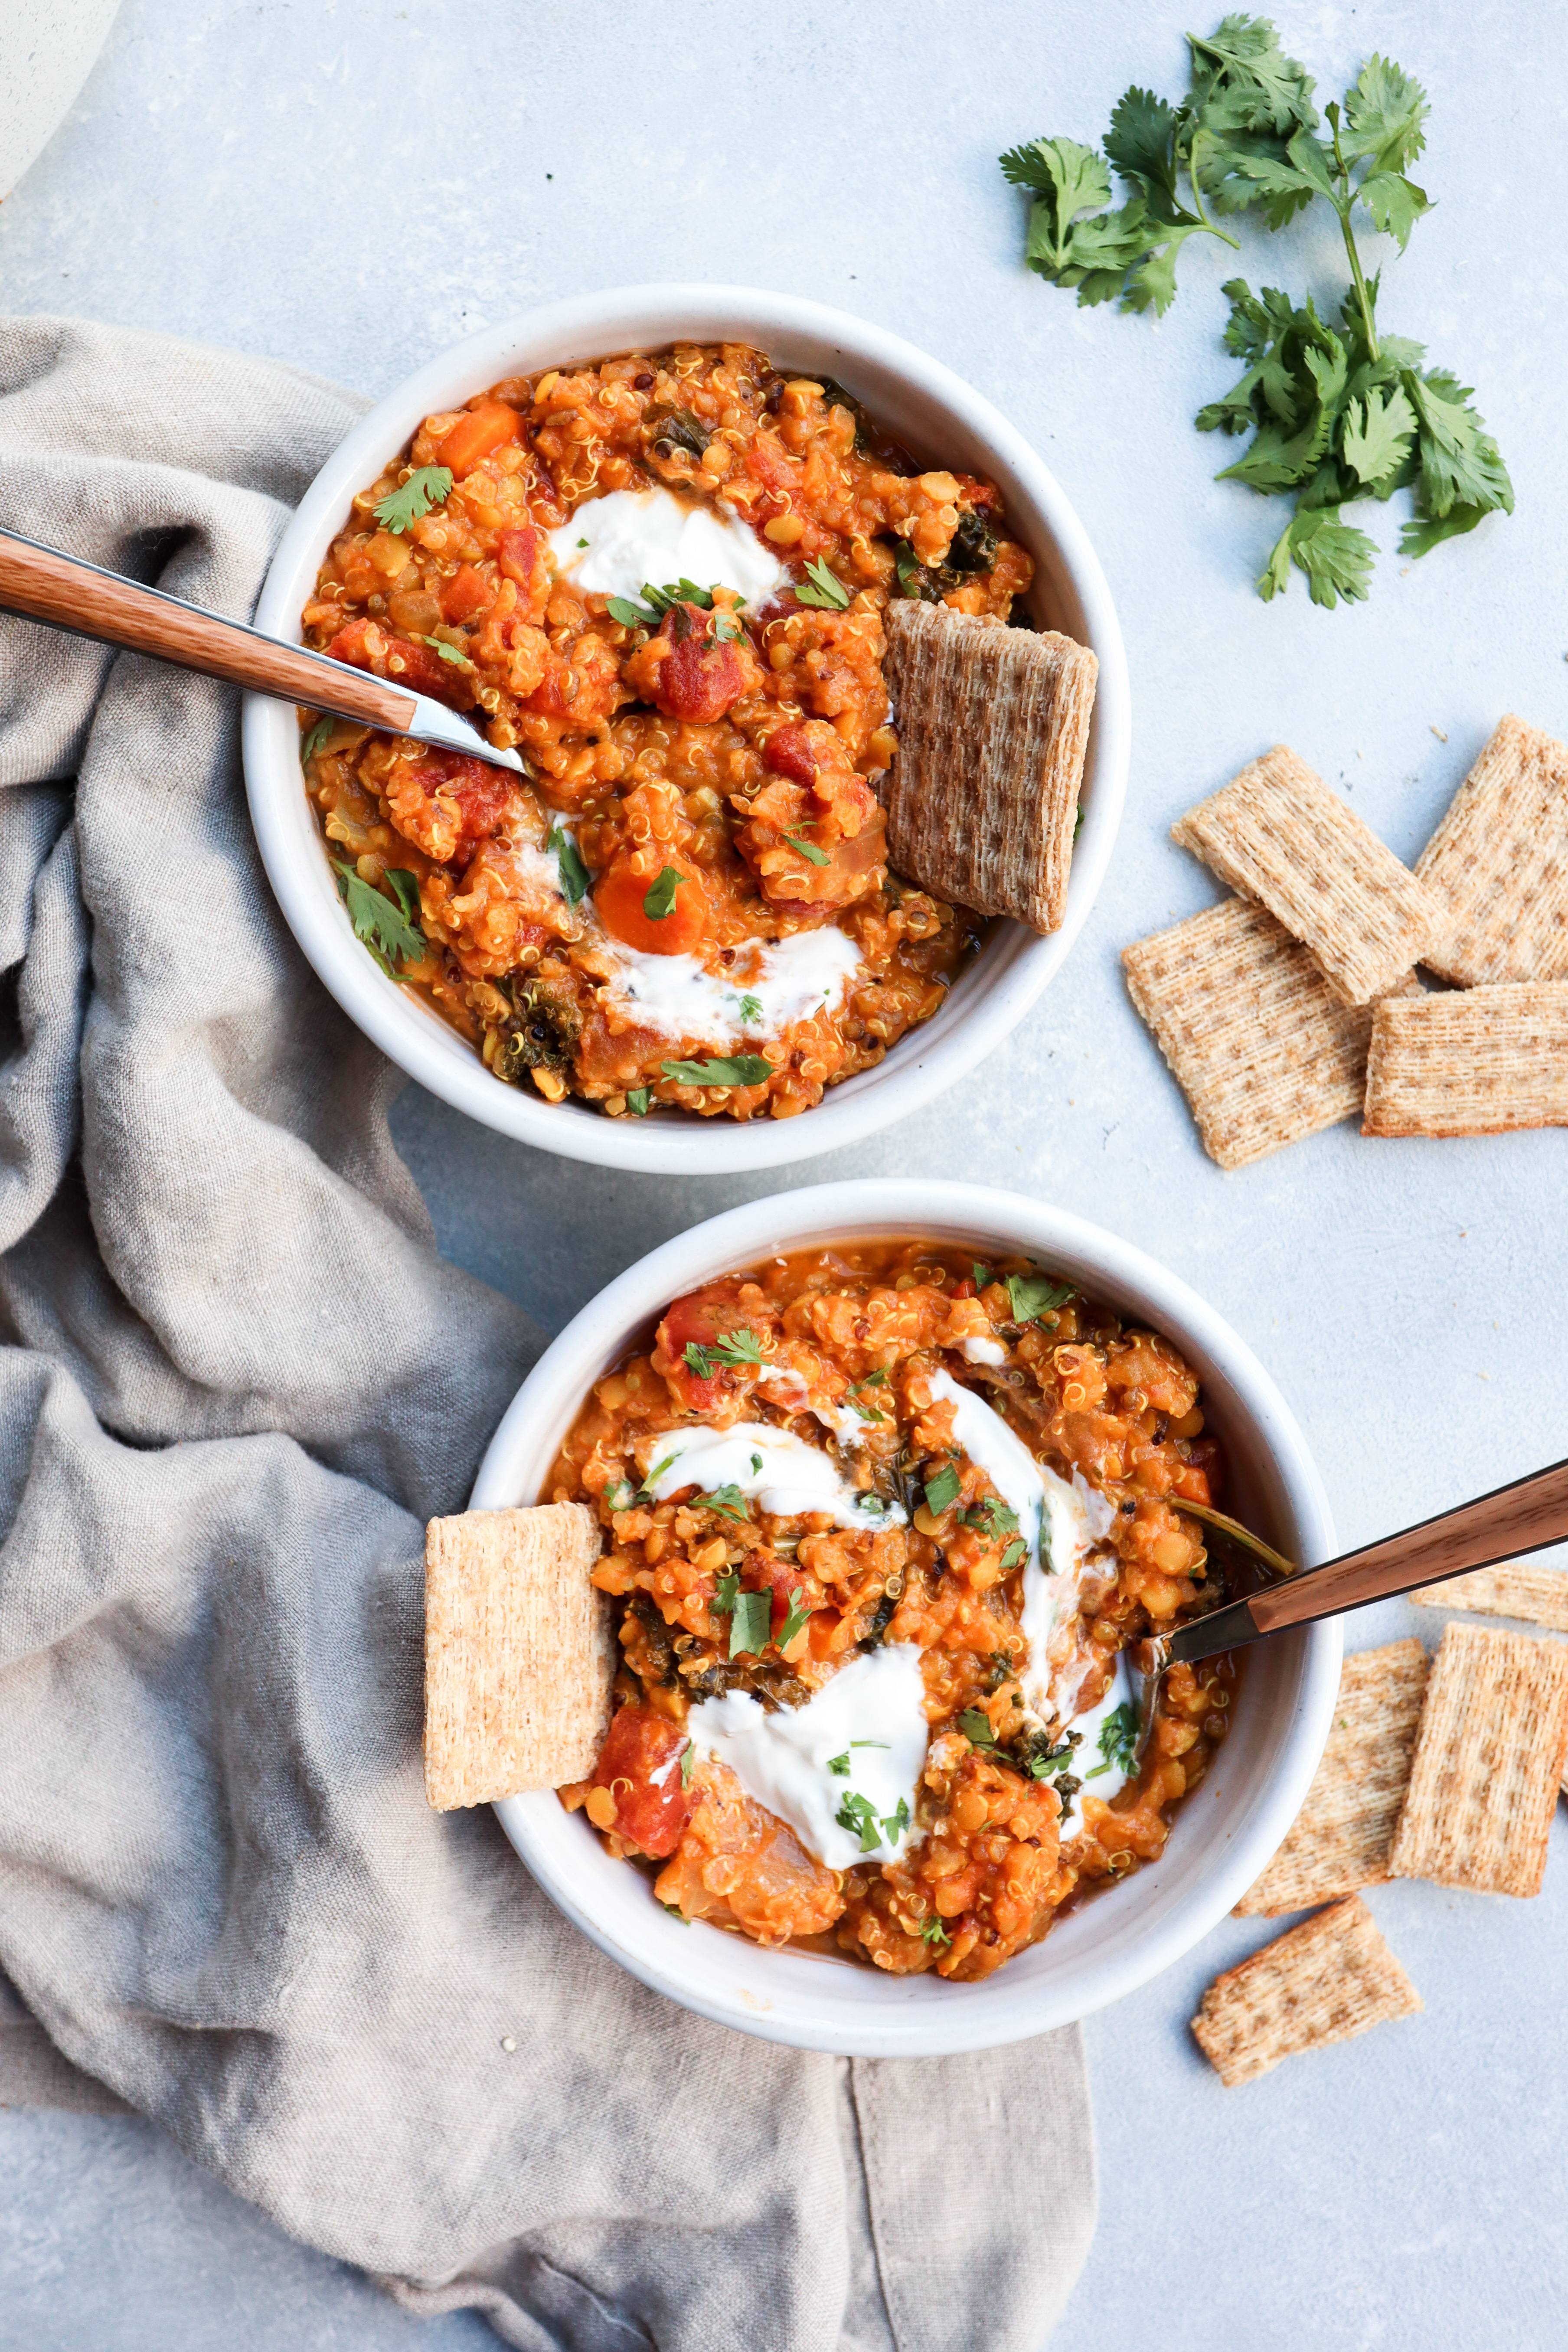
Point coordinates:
[(795, 1618), (724, 1070), (319, 735), (407, 887), (574, 876), (908, 565), (726, 1592), (1118, 1739), (742, 1346), (936, 1934), (858, 1815), (383, 926), (727, 1500), (809, 849), (840, 1764), (448, 653), (629, 615), (638, 1101), (582, 542), (688, 1757), (1034, 1296), (727, 630), (993, 1517), (982, 1276), (751, 1008), (426, 486), (1017, 1553), (943, 1490), (658, 900), (975, 1727), (756, 1466), (675, 1912), (895, 1823), (822, 587), (620, 1495), (749, 1624)]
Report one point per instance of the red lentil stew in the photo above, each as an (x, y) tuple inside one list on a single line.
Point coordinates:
[(881, 1523), (687, 900)]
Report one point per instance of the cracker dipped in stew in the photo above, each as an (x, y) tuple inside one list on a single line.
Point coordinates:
[(661, 580), (881, 1524)]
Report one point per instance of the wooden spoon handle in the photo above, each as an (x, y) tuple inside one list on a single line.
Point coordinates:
[(60, 589), (1533, 1511)]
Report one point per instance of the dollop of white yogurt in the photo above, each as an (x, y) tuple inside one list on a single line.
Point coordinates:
[(770, 1466), (781, 982), (870, 1718), (611, 545)]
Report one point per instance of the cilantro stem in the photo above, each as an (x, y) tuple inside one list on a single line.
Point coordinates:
[(1343, 209), (1224, 236)]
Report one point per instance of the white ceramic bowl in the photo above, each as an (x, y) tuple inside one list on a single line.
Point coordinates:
[(1226, 1829), (941, 419)]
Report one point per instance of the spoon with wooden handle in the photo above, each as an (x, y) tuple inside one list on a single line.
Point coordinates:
[(67, 593), (1497, 1526)]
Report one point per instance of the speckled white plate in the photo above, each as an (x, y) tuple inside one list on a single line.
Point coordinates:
[(937, 415), (1226, 1829)]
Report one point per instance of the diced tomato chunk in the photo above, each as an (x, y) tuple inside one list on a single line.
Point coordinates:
[(466, 593), (788, 752), (687, 672), (524, 558), (639, 1764), (700, 1319)]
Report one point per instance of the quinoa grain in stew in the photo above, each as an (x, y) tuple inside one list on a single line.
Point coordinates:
[(881, 1523), (661, 580)]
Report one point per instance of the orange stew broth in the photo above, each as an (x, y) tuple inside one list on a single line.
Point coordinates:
[(987, 1873), (714, 745)]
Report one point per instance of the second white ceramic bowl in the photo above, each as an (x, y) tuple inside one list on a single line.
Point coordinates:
[(943, 421), (1225, 1831)]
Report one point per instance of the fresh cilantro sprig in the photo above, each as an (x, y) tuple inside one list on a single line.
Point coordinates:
[(796, 1616), (574, 876), (859, 1816), (317, 739), (1336, 415), (387, 929), (734, 1350), (809, 849), (942, 1489), (1118, 1740), (822, 587), (934, 1934), (1031, 1295), (657, 602), (658, 898), (426, 486), (727, 1500)]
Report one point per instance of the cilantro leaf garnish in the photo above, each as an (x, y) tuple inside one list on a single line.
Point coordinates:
[(751, 1008), (620, 1495), (975, 1725), (981, 1275), (809, 849), (1337, 412), (736, 1348), (895, 1823), (658, 900), (406, 886), (1118, 1739), (858, 1816), (727, 1500), (795, 1616), (448, 652), (426, 486), (638, 1099), (726, 1592), (749, 1623), (840, 1764), (384, 926), (1031, 1295), (723, 1070), (316, 738), (943, 1490), (936, 1934), (993, 1517), (629, 615), (822, 587), (1016, 1554), (575, 877)]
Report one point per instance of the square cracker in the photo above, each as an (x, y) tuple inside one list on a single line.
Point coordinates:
[(518, 1654), (1477, 1061), (1515, 1590), (1498, 864), (1256, 1038), (1488, 1758), (1324, 1981), (1277, 834), (992, 724), (1340, 1839)]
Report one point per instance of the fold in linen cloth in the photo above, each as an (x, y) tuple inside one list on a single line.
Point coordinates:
[(235, 1379)]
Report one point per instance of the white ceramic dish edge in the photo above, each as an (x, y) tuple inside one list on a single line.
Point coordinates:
[(901, 384), (1230, 1826)]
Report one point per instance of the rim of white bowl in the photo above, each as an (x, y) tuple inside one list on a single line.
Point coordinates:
[(840, 2006), (990, 999)]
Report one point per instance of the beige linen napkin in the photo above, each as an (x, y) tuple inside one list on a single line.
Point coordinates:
[(235, 1379)]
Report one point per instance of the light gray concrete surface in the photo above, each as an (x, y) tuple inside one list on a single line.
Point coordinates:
[(350, 186)]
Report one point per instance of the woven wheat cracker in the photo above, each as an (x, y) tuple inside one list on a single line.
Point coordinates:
[(1516, 1589), (1498, 864), (519, 1655), (1256, 1038), (1341, 1838), (992, 724), (1277, 834), (1488, 1758), (1476, 1061), (1325, 1981)]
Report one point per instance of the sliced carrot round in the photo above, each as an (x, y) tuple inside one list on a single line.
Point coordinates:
[(624, 896)]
